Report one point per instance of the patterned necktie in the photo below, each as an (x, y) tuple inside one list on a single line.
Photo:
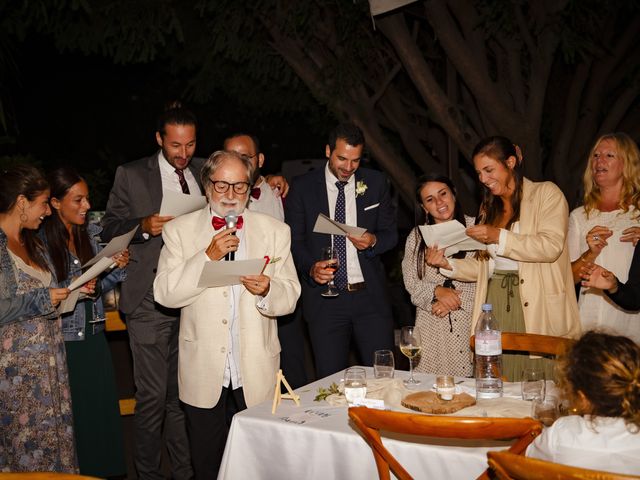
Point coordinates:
[(340, 241), (183, 181)]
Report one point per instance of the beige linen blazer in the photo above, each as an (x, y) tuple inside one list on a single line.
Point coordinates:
[(547, 291), (204, 326)]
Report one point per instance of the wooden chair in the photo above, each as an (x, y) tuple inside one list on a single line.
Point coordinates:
[(532, 343), (508, 466), (44, 476), (370, 422)]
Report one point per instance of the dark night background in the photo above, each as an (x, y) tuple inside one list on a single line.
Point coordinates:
[(68, 108), (83, 81)]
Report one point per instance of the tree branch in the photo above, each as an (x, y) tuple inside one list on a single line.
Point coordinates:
[(601, 71), (385, 83), (619, 109), (471, 71), (444, 112), (524, 30)]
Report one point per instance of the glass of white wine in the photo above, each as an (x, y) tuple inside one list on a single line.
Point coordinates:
[(410, 347)]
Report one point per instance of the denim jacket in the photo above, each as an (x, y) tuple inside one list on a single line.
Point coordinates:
[(73, 323), (13, 307)]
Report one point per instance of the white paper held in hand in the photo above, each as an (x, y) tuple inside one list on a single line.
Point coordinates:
[(220, 274), (325, 225), (96, 269), (116, 245), (177, 203), (68, 304), (449, 235)]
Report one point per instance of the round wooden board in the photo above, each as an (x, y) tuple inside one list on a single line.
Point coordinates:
[(428, 402)]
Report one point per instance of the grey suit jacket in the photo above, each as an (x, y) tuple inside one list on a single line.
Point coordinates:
[(137, 193)]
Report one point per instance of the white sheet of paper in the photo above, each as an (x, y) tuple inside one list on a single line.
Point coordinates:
[(451, 236), (95, 270), (176, 204), (116, 245), (325, 225), (220, 274), (68, 304)]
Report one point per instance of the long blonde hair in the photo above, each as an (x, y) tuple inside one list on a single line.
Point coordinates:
[(630, 155)]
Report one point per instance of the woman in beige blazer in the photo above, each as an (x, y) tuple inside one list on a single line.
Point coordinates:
[(525, 272)]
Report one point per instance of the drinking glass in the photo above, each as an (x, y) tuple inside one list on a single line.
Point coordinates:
[(355, 384), (533, 383), (545, 409), (330, 253), (383, 364), (410, 347), (445, 387)]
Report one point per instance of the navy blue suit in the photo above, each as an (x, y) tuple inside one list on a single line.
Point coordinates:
[(364, 315)]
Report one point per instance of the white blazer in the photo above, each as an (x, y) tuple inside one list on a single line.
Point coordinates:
[(204, 330)]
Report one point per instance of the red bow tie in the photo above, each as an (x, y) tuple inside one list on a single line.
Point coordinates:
[(219, 222), (255, 192)]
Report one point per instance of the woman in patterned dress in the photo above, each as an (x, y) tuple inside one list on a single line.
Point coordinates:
[(606, 228), (36, 424), (443, 306)]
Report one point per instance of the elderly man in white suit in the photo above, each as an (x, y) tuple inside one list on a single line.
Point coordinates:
[(228, 342)]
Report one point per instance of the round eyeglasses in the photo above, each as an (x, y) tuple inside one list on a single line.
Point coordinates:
[(220, 186)]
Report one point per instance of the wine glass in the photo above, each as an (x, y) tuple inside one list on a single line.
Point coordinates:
[(410, 347), (330, 253)]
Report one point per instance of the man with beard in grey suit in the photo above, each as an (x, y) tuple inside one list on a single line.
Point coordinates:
[(135, 199)]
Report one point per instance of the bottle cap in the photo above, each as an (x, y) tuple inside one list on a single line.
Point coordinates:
[(487, 307)]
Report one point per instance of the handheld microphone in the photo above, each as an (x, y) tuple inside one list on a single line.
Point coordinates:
[(231, 218)]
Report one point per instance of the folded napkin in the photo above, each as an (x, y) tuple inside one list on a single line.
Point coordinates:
[(391, 390)]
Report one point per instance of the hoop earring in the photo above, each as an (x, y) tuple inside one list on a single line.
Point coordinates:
[(23, 216)]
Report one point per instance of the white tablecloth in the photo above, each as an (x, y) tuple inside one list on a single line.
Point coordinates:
[(327, 446)]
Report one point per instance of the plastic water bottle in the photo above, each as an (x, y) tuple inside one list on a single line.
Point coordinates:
[(488, 347)]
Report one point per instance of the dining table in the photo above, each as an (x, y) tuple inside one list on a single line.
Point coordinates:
[(316, 439)]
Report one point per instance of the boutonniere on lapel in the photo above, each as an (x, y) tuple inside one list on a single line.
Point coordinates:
[(361, 188), (268, 261)]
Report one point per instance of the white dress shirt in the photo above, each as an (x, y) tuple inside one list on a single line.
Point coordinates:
[(170, 179), (354, 272), (232, 367), (268, 203), (606, 444)]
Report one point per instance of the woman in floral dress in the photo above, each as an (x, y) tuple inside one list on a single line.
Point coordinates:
[(36, 424)]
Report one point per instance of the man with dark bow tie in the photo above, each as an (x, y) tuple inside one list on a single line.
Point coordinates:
[(266, 194), (228, 342), (355, 196), (267, 197)]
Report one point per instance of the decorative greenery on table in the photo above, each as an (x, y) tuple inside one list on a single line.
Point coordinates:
[(323, 393)]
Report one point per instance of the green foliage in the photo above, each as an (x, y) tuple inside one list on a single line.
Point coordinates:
[(323, 393)]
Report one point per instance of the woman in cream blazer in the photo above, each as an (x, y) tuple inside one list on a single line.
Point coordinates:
[(526, 272)]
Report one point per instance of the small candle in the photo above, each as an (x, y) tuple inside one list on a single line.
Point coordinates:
[(445, 387)]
